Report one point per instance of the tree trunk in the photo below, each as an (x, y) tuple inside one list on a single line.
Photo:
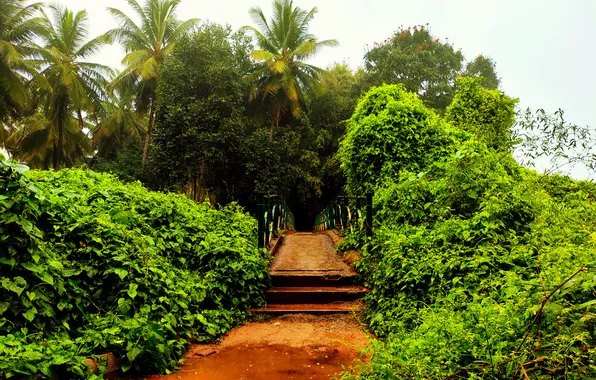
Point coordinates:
[(148, 134), (271, 131), (58, 152), (194, 188), (55, 157), (275, 122), (81, 122), (202, 193)]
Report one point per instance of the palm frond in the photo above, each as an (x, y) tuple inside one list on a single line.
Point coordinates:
[(284, 43)]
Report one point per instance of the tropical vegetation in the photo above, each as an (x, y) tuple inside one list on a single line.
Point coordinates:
[(147, 44), (281, 75), (91, 265), (479, 266)]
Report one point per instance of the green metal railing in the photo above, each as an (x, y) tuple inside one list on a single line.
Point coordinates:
[(347, 213), (274, 216)]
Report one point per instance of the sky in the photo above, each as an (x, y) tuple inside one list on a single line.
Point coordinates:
[(545, 50)]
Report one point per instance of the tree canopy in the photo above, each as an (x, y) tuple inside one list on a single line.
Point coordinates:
[(424, 64), (147, 45), (281, 75)]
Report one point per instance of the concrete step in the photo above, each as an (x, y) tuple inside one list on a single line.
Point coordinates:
[(312, 278), (305, 308), (314, 294)]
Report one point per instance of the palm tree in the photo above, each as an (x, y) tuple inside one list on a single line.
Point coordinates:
[(75, 85), (284, 43), (147, 45), (34, 141), (19, 24), (118, 120)]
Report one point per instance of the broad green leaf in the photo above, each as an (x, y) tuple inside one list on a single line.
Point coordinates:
[(56, 264), (132, 290), (35, 268), (132, 353), (30, 314), (17, 285), (121, 273), (45, 277), (3, 307)]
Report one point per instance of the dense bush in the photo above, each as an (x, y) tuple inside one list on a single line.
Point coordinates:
[(489, 114), (463, 258), (114, 267), (480, 268), (391, 130)]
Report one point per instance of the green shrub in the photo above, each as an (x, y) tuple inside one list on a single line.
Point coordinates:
[(488, 114), (391, 130), (464, 254), (115, 267)]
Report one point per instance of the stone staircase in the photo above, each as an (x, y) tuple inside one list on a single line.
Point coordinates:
[(308, 277)]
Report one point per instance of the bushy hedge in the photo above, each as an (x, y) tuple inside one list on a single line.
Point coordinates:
[(488, 114), (480, 268), (90, 265), (391, 130)]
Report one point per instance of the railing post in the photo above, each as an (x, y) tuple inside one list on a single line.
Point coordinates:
[(261, 217), (267, 201), (369, 216)]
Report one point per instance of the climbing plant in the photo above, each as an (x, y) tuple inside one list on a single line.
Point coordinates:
[(102, 266), (488, 114), (479, 268), (391, 130)]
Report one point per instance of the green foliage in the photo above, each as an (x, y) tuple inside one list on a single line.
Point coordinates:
[(483, 67), (280, 75), (205, 139), (489, 114), (418, 60), (201, 120), (391, 130), (115, 267), (465, 269), (33, 355), (329, 110)]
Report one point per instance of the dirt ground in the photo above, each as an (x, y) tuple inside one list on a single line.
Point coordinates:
[(287, 347)]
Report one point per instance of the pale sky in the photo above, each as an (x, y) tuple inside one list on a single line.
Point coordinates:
[(544, 49)]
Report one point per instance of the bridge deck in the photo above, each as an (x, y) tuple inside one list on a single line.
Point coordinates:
[(311, 253)]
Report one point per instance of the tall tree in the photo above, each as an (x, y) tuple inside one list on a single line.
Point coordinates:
[(488, 114), (34, 141), (201, 118), (422, 63), (19, 24), (328, 113), (284, 44), (147, 45), (76, 87), (483, 67), (118, 122), (329, 110)]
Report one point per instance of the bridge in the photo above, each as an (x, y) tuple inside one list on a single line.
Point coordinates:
[(307, 274)]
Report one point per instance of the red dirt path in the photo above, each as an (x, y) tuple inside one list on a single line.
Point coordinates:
[(288, 347)]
